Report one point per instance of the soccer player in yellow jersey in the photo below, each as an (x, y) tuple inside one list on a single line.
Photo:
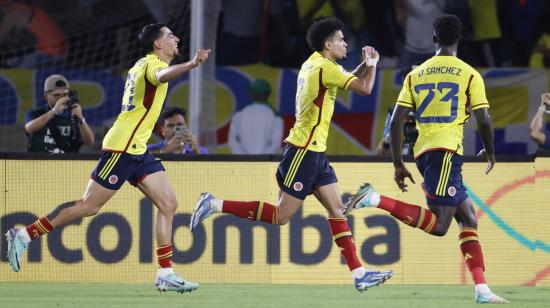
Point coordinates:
[(443, 91), (305, 169), (125, 156)]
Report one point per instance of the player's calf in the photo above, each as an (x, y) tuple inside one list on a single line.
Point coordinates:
[(251, 210), (412, 215)]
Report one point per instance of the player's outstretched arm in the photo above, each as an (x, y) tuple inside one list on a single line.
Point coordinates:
[(174, 71), (535, 127), (485, 128), (366, 72), (396, 136)]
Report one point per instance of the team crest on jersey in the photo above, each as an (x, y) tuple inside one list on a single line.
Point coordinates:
[(298, 186), (451, 191), (113, 179)]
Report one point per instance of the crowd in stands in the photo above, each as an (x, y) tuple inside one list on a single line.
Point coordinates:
[(98, 33)]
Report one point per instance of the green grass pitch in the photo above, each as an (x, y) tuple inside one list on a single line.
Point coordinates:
[(82, 295)]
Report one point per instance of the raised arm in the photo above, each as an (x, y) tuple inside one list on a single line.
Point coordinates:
[(535, 128), (174, 71), (365, 72), (34, 125)]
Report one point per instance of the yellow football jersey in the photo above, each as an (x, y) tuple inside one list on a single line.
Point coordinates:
[(318, 82), (141, 106), (441, 90)]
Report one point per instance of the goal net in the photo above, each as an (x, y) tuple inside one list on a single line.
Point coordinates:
[(91, 43)]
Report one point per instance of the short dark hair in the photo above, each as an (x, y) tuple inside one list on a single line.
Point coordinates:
[(321, 30), (170, 112), (447, 29), (148, 35)]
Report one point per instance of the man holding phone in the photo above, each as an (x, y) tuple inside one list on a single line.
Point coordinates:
[(536, 131), (59, 126), (178, 139)]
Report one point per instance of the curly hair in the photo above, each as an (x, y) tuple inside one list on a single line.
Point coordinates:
[(447, 29), (321, 30)]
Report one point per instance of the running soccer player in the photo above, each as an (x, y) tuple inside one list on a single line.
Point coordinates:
[(125, 157), (440, 90), (305, 169)]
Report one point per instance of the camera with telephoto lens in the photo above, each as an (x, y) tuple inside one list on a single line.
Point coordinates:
[(73, 98)]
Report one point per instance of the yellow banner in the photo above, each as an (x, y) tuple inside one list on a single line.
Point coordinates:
[(117, 245)]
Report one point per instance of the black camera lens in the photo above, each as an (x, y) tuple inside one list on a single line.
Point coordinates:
[(73, 97)]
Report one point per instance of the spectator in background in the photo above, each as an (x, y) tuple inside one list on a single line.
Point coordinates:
[(25, 25), (58, 127), (521, 23), (257, 129), (239, 40), (536, 131), (416, 18), (487, 45), (382, 27), (283, 41), (541, 53), (178, 139)]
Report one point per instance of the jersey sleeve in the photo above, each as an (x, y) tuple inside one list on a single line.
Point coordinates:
[(405, 97), (476, 91), (153, 66), (336, 76)]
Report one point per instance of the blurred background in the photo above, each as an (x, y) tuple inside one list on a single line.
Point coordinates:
[(94, 42)]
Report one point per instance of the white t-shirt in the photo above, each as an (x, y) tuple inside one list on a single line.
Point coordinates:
[(256, 130), (421, 15)]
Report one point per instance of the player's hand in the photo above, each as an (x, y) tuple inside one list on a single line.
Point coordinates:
[(76, 111), (370, 55), (400, 174), (200, 56), (175, 145), (545, 100), (490, 160)]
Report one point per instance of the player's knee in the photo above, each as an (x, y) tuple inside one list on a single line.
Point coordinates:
[(168, 205), (468, 217), (88, 208), (440, 230), (469, 221)]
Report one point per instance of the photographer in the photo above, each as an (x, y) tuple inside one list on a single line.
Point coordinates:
[(178, 139), (58, 127), (536, 131), (410, 134)]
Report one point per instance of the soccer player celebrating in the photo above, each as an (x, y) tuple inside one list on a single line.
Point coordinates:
[(305, 168), (440, 90), (125, 157)]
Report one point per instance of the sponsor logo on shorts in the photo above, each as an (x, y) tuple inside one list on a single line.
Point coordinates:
[(113, 179), (451, 191), (298, 186)]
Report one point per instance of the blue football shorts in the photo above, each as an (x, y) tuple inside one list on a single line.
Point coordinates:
[(113, 169), (302, 171), (442, 173)]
